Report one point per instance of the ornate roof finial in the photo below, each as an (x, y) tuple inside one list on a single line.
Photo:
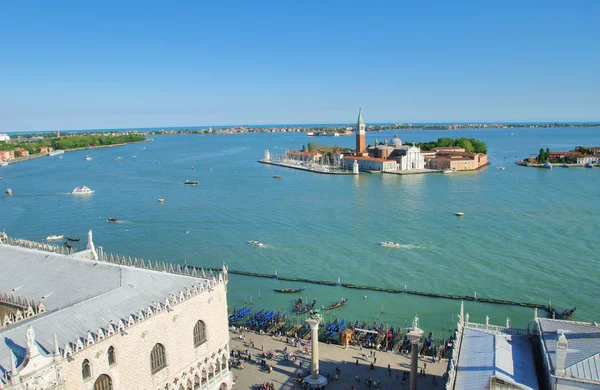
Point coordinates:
[(360, 119), (56, 349), (14, 373)]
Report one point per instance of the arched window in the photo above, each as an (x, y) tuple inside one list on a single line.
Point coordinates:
[(112, 359), (158, 358), (199, 333), (103, 383), (86, 370)]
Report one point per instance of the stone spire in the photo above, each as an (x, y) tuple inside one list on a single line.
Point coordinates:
[(14, 374), (56, 348), (360, 119), (561, 354)]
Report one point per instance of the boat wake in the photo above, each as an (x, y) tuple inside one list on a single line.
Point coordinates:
[(396, 245)]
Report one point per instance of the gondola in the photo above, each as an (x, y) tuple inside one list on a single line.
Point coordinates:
[(561, 315), (72, 239), (306, 308), (336, 305), (112, 220), (191, 183), (289, 290), (68, 245)]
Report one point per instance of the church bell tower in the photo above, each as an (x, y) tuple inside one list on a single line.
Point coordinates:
[(361, 135)]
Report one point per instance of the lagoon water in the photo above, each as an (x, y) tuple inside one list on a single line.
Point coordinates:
[(528, 234)]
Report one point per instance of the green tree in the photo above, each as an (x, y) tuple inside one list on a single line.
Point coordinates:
[(304, 148), (541, 156), (464, 143), (445, 142)]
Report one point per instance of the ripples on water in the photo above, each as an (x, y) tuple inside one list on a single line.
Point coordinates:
[(527, 234)]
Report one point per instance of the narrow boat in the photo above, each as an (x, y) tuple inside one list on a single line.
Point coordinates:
[(460, 214), (161, 200), (83, 190), (276, 177), (191, 183), (68, 245), (307, 307), (389, 244), (72, 239), (290, 290), (55, 237), (500, 168), (336, 305), (561, 315), (112, 220), (256, 243), (9, 191)]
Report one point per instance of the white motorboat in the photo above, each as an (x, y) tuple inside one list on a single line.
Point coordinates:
[(119, 158), (3, 164), (88, 158), (390, 244), (256, 243), (501, 168), (446, 171), (56, 237), (83, 190), (56, 152)]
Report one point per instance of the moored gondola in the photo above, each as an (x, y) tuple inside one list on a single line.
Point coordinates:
[(72, 239), (289, 290), (561, 315)]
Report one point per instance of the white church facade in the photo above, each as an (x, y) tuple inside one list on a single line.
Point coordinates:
[(69, 321)]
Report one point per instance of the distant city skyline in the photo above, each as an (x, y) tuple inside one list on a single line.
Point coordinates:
[(75, 66)]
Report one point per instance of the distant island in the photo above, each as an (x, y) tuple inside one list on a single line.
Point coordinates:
[(581, 156)]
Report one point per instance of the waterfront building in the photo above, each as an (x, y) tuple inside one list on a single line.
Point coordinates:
[(4, 138), (570, 353), (459, 161), (588, 159), (72, 322), (306, 156), (20, 152), (6, 155), (45, 149)]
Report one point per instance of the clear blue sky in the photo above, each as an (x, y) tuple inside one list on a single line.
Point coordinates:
[(82, 64)]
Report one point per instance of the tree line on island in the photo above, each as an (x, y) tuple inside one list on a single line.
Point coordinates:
[(73, 142)]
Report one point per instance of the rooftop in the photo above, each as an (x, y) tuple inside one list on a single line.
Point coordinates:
[(583, 352), (79, 295), (367, 158)]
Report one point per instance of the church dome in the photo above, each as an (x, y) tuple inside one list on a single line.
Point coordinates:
[(396, 141)]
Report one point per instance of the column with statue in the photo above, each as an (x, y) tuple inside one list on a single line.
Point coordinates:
[(314, 379), (414, 336)]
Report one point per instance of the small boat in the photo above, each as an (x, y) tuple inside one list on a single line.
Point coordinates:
[(72, 239), (548, 165), (119, 158), (191, 183), (59, 157), (336, 305), (589, 165), (306, 308), (56, 152), (3, 164), (446, 171), (88, 158), (561, 315), (9, 191), (55, 237), (68, 245), (565, 165), (112, 220), (500, 168), (460, 214), (290, 290), (83, 190), (276, 177), (389, 244), (256, 243), (161, 200), (133, 156)]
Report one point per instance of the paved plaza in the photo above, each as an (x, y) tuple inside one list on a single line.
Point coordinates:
[(285, 372)]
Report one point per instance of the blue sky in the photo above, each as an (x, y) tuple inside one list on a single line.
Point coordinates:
[(81, 65)]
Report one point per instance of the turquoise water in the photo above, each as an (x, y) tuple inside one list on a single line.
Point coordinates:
[(527, 235)]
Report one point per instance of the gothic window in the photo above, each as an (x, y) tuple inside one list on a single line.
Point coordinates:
[(199, 333), (158, 358), (111, 356), (103, 383), (86, 371)]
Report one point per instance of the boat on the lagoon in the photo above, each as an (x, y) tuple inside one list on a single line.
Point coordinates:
[(119, 158), (276, 177), (548, 165), (565, 165), (336, 305), (88, 158), (446, 171), (161, 200), (55, 237), (289, 290), (83, 190), (301, 310), (72, 239), (112, 220), (56, 152), (256, 243), (68, 245), (3, 164), (589, 165), (390, 244), (500, 168), (191, 183), (460, 214), (9, 191), (561, 315)]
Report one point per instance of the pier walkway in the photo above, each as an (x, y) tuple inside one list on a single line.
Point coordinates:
[(303, 168), (285, 372)]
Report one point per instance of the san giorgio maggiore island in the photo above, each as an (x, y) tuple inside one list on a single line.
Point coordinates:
[(386, 157)]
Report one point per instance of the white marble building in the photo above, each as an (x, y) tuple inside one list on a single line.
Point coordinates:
[(409, 158), (70, 322)]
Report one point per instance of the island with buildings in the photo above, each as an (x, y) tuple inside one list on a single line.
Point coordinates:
[(580, 156), (444, 155)]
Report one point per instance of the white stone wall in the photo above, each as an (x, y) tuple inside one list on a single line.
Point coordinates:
[(172, 329)]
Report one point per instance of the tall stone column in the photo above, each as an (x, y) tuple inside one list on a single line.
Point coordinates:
[(315, 379), (414, 336)]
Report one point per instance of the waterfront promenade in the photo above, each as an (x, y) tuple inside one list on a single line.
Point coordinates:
[(285, 372), (303, 168)]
